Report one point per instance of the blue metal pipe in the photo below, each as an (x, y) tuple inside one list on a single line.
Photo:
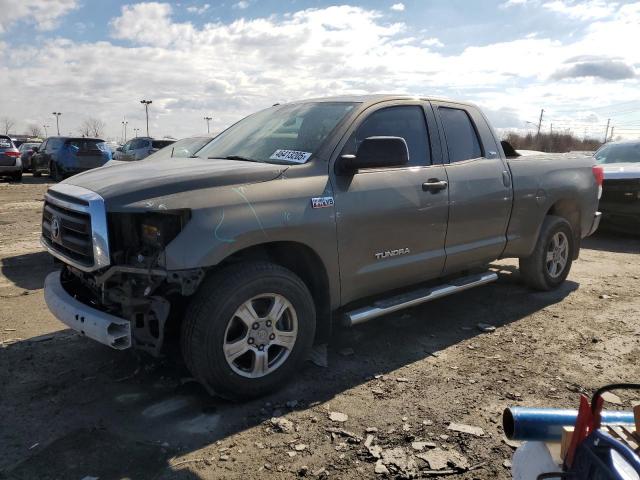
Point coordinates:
[(545, 424)]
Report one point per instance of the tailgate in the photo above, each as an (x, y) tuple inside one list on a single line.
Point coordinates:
[(6, 160)]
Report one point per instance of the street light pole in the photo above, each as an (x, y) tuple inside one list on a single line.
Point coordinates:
[(208, 119), (124, 124), (136, 130), (57, 114), (46, 133), (146, 111)]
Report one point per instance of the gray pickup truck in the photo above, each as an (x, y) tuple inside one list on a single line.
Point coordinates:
[(301, 216)]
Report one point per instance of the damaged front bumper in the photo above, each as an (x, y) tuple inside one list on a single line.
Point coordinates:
[(95, 324)]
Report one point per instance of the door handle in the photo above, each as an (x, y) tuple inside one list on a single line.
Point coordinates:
[(434, 185)]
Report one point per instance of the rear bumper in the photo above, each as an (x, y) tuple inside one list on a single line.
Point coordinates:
[(99, 326), (7, 169), (595, 224)]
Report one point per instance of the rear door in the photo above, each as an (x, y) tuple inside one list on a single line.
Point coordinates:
[(391, 227), (479, 188), (141, 148)]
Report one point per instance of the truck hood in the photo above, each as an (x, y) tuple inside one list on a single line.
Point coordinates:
[(136, 181), (618, 171)]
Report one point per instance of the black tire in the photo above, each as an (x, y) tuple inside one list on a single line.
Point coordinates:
[(213, 308), (535, 269), (54, 172), (17, 177), (37, 174)]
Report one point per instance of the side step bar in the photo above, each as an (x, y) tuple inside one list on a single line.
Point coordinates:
[(416, 297)]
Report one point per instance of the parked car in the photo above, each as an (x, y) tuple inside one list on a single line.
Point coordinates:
[(10, 163), (620, 203), (341, 209), (26, 151), (62, 157), (182, 148), (139, 148)]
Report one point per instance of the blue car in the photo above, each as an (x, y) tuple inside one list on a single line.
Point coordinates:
[(62, 157)]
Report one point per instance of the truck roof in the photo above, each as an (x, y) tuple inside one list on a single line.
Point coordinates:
[(378, 97)]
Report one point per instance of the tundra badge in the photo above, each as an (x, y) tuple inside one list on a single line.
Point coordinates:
[(392, 253)]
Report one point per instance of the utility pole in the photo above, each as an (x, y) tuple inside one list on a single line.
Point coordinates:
[(540, 121), (57, 114), (552, 129), (606, 132), (146, 111), (208, 119), (124, 126), (611, 136), (46, 133)]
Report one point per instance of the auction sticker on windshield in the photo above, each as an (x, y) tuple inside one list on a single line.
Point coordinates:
[(290, 156)]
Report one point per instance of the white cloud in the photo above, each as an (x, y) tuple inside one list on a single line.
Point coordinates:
[(44, 14), (512, 3), (397, 7), (242, 4), (582, 10), (198, 10), (432, 42), (231, 69)]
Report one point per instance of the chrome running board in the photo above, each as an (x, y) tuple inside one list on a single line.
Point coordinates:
[(416, 297)]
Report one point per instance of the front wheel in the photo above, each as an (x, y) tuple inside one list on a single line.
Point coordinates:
[(248, 329), (549, 264), (54, 172)]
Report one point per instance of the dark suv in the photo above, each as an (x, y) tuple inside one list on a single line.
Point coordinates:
[(62, 157)]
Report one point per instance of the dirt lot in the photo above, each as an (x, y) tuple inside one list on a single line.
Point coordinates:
[(71, 408)]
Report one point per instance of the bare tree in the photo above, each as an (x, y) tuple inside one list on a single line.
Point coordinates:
[(92, 127), (34, 130), (8, 124)]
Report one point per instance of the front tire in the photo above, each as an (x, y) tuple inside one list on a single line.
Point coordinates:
[(54, 172), (248, 329), (549, 264)]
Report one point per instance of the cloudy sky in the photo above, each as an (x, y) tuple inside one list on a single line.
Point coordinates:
[(579, 60)]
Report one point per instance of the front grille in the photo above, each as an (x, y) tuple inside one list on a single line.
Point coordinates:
[(68, 232), (621, 190)]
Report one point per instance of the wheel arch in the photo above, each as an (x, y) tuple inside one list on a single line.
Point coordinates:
[(306, 264), (569, 209)]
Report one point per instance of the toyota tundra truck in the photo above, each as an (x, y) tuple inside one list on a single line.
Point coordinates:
[(301, 217)]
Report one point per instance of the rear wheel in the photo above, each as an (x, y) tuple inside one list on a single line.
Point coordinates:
[(37, 174), (17, 177), (248, 329), (549, 264), (54, 172)]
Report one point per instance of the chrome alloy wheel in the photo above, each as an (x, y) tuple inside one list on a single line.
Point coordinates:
[(260, 335), (557, 254)]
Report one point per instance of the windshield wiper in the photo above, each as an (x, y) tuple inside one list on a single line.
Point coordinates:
[(238, 157)]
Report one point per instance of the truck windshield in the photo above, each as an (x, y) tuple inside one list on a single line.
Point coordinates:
[(619, 153), (286, 134)]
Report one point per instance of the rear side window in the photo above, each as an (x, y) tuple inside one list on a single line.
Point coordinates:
[(161, 143), (462, 139), (54, 144), (406, 121)]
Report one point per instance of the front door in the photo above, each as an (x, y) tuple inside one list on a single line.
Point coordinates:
[(391, 225), (479, 188)]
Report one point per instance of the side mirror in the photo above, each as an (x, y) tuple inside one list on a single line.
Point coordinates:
[(375, 152)]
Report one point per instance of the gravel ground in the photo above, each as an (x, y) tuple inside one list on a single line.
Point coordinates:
[(71, 408)]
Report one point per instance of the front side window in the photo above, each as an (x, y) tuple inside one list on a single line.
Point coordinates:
[(54, 144), (285, 134), (405, 121), (462, 139)]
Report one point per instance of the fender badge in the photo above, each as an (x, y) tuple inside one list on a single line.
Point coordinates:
[(321, 202)]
